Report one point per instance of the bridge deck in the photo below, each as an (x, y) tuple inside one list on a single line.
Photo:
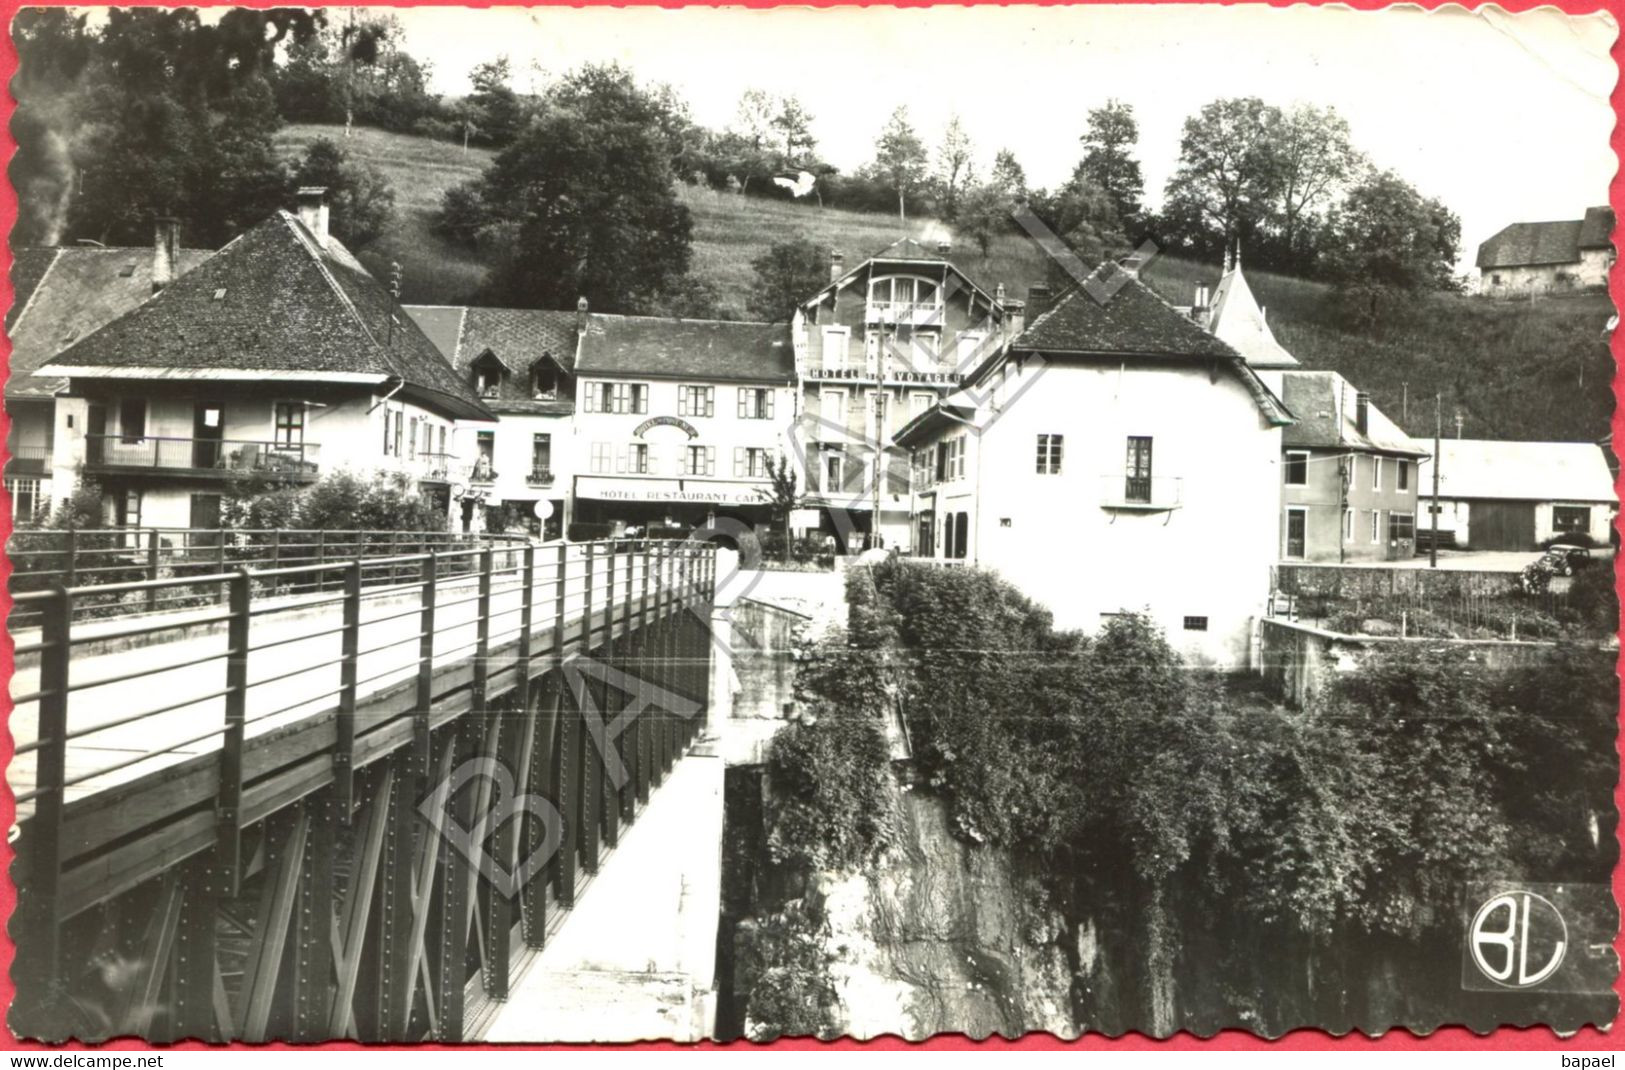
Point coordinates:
[(146, 725)]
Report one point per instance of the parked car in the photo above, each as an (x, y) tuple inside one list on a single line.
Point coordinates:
[(1566, 558)]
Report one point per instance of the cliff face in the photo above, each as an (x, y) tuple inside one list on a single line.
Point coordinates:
[(945, 937)]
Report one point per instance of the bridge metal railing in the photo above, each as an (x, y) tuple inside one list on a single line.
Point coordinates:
[(105, 562), (87, 723)]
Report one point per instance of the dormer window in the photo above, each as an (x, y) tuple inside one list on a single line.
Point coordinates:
[(548, 379), (905, 299), (488, 371)]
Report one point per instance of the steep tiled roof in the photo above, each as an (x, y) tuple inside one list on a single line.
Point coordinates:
[(1324, 403), (1131, 320), (908, 249), (1238, 320), (274, 301), (1556, 242), (65, 294), (1114, 314), (1597, 228), (686, 349), (516, 337), (1524, 471)]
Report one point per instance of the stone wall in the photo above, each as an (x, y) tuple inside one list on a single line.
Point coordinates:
[(1346, 583)]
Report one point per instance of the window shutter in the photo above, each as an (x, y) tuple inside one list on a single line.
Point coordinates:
[(743, 394), (769, 394), (710, 460), (642, 396), (620, 461), (739, 461), (710, 401)]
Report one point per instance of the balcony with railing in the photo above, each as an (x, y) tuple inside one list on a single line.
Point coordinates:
[(1148, 494), (29, 461), (908, 313), (540, 477), (201, 457), (435, 467)]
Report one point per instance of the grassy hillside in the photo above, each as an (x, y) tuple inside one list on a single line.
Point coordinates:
[(1526, 370)]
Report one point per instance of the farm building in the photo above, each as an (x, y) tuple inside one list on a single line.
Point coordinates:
[(1517, 495)]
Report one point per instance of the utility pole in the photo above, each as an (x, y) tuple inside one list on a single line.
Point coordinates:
[(1438, 431), (1405, 401), (880, 428)]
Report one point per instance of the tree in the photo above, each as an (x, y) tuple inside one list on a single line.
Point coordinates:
[(1387, 239), (1085, 216), (900, 158), (787, 273), (493, 107), (1108, 158), (1227, 177), (953, 165), (793, 123), (1008, 177), (783, 495), (1313, 158), (584, 201), (748, 145), (362, 200)]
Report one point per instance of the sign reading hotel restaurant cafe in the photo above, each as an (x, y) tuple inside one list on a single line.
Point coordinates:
[(666, 421), (695, 491)]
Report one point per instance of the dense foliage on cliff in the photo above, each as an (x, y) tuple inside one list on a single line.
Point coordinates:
[(1364, 813)]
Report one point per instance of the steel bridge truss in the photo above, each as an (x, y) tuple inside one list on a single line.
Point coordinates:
[(379, 871)]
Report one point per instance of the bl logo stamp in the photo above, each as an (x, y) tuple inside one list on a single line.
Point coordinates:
[(1522, 936)]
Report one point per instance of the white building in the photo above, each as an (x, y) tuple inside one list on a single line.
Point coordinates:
[(676, 420), (1517, 495), (1116, 457), (521, 364), (1550, 257), (279, 358)]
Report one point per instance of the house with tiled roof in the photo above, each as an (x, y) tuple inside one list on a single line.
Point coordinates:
[(279, 358), (1555, 256), (59, 295), (1106, 461), (877, 346), (521, 362), (677, 419), (1349, 475)]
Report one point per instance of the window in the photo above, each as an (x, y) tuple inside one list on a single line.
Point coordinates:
[(487, 380), (918, 402), (638, 458), (389, 440), (755, 403), (541, 455), (132, 420), (1049, 455), (836, 341), (25, 499), (961, 536), (1196, 624), (602, 462), (1137, 482), (1297, 468), (1376, 473), (601, 397), (1402, 479), (834, 469), (640, 398), (428, 437), (1376, 525), (1401, 527), (1571, 519), (750, 462), (412, 438), (290, 423), (485, 448), (544, 381), (400, 421), (696, 401), (832, 406), (129, 509), (699, 461)]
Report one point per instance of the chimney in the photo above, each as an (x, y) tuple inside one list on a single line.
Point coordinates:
[(166, 251), (837, 265), (1037, 302), (312, 201), (1362, 412), (998, 294), (944, 247), (581, 315)]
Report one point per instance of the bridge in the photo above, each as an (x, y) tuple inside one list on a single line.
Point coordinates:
[(341, 793)]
